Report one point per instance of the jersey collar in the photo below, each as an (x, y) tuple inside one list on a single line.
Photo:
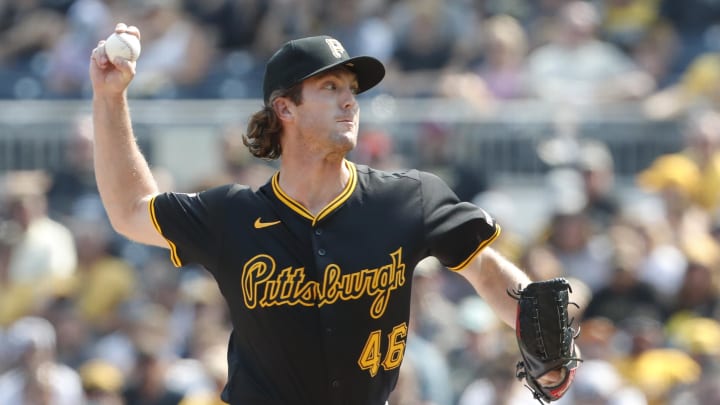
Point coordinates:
[(332, 206)]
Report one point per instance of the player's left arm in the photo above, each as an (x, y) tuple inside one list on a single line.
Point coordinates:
[(459, 235), (492, 276)]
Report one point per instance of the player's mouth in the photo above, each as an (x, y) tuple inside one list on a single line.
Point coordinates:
[(347, 121)]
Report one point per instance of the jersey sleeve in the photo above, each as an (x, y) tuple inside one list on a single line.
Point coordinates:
[(192, 224), (456, 231)]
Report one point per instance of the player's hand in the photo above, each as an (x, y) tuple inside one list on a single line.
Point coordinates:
[(555, 377), (552, 378), (111, 77)]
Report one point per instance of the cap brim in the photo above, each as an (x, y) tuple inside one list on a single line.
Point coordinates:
[(369, 71)]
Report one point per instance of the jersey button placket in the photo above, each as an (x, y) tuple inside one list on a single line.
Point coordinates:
[(323, 260), (318, 232)]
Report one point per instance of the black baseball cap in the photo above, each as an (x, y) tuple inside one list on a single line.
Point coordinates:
[(302, 58)]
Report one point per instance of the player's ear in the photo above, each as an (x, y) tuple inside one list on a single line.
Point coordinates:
[(281, 105)]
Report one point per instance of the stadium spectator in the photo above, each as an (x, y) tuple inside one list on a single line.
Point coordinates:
[(597, 167), (600, 383), (426, 39), (101, 382), (66, 74), (693, 172), (361, 26), (626, 22), (582, 254), (696, 88), (236, 164), (103, 282), (625, 295), (650, 364), (699, 292), (502, 67), (235, 23), (74, 181), (476, 356), (39, 251), (177, 51), (45, 248), (148, 383), (577, 67), (693, 21), (28, 32), (36, 376)]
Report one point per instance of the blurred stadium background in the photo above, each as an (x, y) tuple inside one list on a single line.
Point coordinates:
[(590, 129)]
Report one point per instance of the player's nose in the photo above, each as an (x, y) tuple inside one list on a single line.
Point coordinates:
[(349, 100)]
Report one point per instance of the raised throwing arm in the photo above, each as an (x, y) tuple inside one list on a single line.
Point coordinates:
[(123, 176)]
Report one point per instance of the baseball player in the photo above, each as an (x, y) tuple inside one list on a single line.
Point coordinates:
[(316, 265)]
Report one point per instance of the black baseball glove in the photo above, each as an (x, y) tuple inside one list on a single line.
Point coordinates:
[(545, 337)]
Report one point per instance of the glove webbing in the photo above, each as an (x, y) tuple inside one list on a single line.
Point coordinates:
[(520, 370)]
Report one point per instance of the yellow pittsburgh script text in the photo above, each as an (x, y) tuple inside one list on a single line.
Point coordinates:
[(265, 285)]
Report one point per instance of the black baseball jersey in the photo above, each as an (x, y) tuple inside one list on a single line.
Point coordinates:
[(320, 303)]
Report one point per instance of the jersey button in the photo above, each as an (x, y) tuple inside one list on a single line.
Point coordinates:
[(321, 252), (335, 384), (329, 330), (318, 231)]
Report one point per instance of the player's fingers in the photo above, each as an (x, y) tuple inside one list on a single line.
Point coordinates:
[(552, 378), (125, 66), (99, 55), (133, 30), (121, 27)]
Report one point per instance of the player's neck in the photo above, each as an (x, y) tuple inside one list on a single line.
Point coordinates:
[(314, 184)]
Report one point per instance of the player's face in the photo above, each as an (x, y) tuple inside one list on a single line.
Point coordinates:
[(329, 114)]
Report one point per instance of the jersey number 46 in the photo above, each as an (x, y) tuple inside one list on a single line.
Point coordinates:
[(371, 358)]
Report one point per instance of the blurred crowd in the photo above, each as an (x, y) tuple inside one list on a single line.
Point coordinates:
[(664, 52), (89, 317)]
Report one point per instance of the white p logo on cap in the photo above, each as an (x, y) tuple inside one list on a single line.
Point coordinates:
[(335, 47)]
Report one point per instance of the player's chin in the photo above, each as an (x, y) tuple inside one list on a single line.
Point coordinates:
[(346, 141)]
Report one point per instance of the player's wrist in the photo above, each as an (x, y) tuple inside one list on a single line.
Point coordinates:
[(109, 98)]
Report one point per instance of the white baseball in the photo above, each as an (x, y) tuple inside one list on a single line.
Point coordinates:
[(122, 45)]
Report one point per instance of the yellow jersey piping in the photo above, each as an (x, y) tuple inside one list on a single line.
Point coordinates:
[(477, 251), (173, 249), (333, 205)]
